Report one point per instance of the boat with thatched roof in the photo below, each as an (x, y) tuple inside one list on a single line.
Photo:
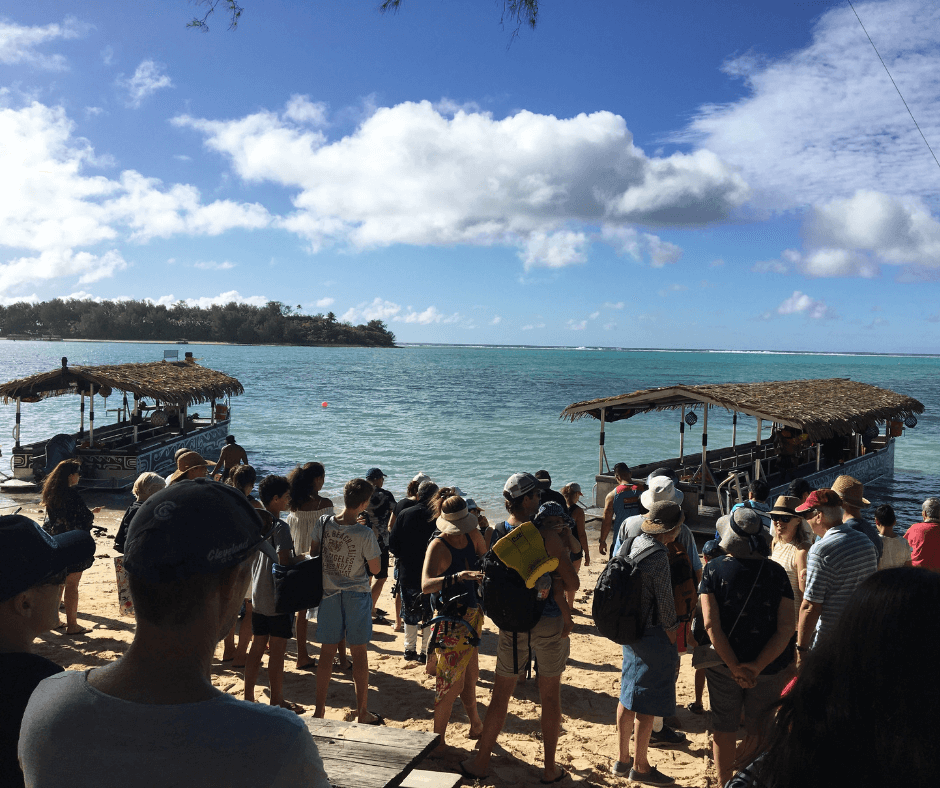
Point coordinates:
[(147, 431), (820, 429)]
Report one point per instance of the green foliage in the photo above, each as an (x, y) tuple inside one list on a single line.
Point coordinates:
[(273, 323), (520, 12)]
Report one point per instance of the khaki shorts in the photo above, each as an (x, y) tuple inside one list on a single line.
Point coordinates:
[(544, 641)]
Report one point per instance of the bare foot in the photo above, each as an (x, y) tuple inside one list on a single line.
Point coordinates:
[(294, 707), (467, 770), (399, 626), (476, 731), (77, 630), (307, 664)]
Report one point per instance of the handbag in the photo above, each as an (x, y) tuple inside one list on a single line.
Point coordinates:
[(298, 586), (705, 656)]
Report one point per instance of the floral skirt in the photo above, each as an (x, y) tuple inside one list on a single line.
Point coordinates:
[(454, 652)]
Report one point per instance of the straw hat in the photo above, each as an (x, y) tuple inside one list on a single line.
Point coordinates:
[(185, 463), (662, 517), (661, 488), (459, 522), (851, 491), (743, 535), (786, 506)]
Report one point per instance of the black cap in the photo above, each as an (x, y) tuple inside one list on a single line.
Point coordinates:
[(544, 479), (31, 557), (193, 527), (374, 473)]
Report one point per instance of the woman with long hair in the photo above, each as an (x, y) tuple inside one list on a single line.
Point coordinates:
[(306, 507), (572, 494), (792, 540), (66, 511), (862, 711)]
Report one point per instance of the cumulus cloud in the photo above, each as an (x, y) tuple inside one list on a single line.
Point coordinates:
[(380, 309), (213, 266), (54, 210), (145, 81), (800, 303), (577, 325), (232, 296), (496, 320), (533, 326), (20, 43), (609, 305), (825, 120), (425, 174), (322, 303), (302, 110), (642, 247)]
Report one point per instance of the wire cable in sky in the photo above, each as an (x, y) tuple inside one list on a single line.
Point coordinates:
[(893, 82)]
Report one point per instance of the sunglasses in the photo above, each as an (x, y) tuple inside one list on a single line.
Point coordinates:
[(782, 519)]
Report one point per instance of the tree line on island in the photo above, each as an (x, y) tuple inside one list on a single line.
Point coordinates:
[(273, 323)]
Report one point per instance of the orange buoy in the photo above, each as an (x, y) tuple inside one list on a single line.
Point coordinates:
[(324, 404)]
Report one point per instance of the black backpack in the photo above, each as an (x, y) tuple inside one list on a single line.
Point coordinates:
[(617, 607), (510, 605)]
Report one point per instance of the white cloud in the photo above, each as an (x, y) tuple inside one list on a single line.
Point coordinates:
[(642, 247), (378, 309), (232, 296), (107, 55), (609, 305), (92, 112), (301, 109), (610, 326), (32, 299), (213, 266), (146, 80), (416, 174), (717, 263), (800, 303), (533, 326), (428, 316), (674, 288), (182, 157), (577, 325), (54, 210), (18, 43), (496, 320), (824, 121), (770, 267), (594, 315), (322, 303)]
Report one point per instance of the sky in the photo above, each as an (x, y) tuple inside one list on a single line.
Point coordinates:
[(731, 175)]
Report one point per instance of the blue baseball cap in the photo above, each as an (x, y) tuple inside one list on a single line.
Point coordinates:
[(31, 557), (374, 473)]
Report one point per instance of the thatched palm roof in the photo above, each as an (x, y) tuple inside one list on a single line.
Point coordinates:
[(821, 408), (174, 382)]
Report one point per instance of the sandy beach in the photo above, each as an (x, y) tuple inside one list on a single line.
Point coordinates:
[(403, 692)]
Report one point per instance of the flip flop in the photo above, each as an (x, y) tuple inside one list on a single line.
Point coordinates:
[(230, 659), (467, 773), (696, 708), (63, 625), (379, 720), (312, 665), (81, 631), (558, 779), (380, 612)]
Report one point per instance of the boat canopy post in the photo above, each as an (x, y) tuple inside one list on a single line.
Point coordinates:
[(600, 445), (818, 455), (757, 465), (81, 426), (212, 417), (681, 436), (704, 453), (16, 431), (734, 430), (91, 416)]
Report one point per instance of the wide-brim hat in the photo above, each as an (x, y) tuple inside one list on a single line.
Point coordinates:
[(851, 491), (186, 463), (743, 535), (785, 505), (662, 517), (661, 488), (460, 522)]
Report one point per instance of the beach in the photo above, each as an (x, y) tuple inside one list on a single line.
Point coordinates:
[(404, 693)]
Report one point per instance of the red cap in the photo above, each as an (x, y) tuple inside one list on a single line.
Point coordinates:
[(817, 498)]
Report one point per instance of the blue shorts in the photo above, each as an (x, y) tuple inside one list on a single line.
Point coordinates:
[(648, 676), (345, 614)]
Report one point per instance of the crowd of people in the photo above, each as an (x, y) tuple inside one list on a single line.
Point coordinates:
[(812, 629)]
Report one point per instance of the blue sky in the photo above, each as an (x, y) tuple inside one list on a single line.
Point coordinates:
[(728, 175)]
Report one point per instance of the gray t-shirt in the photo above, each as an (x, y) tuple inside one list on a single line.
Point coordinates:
[(74, 735), (262, 581), (345, 550)]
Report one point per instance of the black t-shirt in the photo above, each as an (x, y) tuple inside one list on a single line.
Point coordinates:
[(552, 495), (730, 580), (409, 542), (404, 503), (121, 535), (19, 675)]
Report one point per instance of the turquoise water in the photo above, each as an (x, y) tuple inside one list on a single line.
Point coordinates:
[(471, 416)]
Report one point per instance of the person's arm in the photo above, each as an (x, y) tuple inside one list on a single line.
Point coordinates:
[(786, 619), (582, 534), (606, 523), (809, 616), (374, 564), (217, 464), (557, 549), (800, 563), (558, 594), (712, 616), (436, 560)]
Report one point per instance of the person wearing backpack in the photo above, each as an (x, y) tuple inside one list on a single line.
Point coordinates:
[(548, 641), (647, 686)]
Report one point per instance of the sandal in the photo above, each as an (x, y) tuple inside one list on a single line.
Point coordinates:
[(696, 708)]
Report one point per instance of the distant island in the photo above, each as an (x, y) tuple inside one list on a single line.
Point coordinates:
[(274, 323)]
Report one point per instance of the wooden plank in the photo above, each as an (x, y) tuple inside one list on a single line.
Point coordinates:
[(425, 779), (368, 756)]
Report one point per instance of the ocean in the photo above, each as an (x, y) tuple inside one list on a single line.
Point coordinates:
[(472, 416)]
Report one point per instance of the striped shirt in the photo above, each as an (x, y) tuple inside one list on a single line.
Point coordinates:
[(837, 564)]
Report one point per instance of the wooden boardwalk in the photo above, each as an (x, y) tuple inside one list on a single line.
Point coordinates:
[(368, 756)]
